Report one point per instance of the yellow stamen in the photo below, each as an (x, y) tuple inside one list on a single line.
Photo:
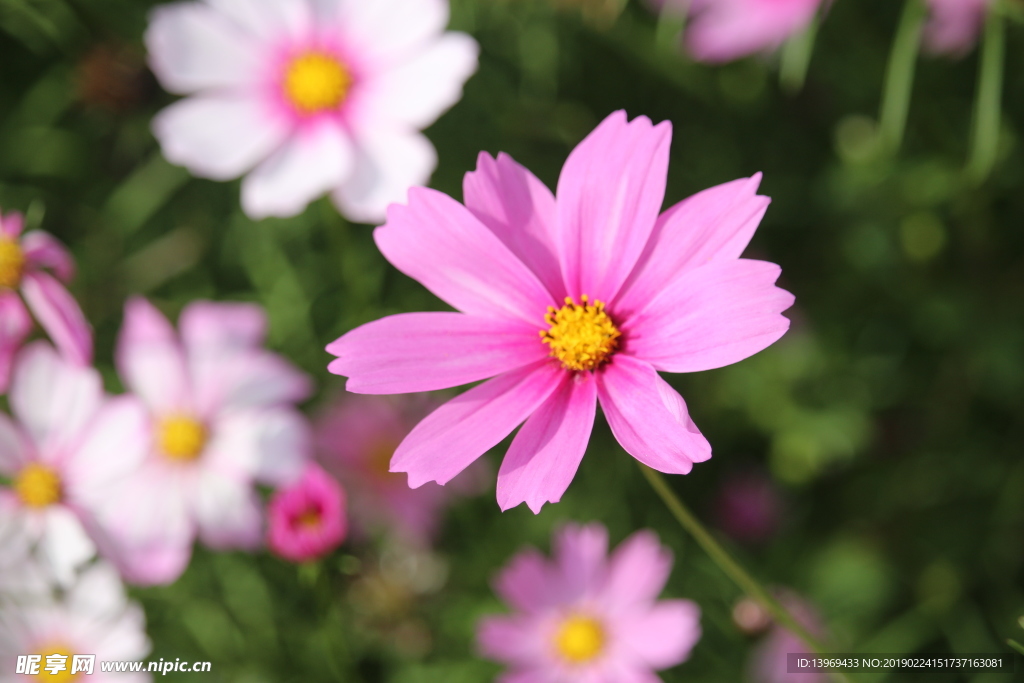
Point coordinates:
[(38, 486), (580, 639), (581, 336), (180, 438), (12, 263), (316, 82), (310, 519), (64, 676)]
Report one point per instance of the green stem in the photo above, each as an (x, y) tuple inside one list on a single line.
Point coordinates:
[(899, 76), (669, 29), (1015, 645), (796, 58), (721, 557), (987, 104)]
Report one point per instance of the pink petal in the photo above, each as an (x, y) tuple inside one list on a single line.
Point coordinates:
[(58, 313), (388, 162), (150, 360), (711, 226), (954, 25), (711, 317), (610, 192), (244, 380), (13, 449), (414, 93), (521, 211), (545, 454), (729, 29), (648, 417), (193, 47), (527, 583), (228, 512), (15, 325), (53, 399), (155, 565), (663, 635), (438, 242), (43, 250), (270, 446), (461, 430), (580, 553), (374, 29), (268, 20), (218, 136), (228, 327), (11, 225), (427, 351), (638, 570), (311, 163), (510, 639), (120, 427)]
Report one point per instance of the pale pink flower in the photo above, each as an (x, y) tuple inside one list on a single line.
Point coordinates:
[(953, 25), (724, 30), (356, 437), (68, 451), (566, 303), (24, 260), (94, 617), (588, 617), (220, 418), (768, 663), (307, 96), (307, 519)]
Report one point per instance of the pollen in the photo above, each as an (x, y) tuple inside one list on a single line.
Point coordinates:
[(580, 639), (38, 486), (309, 520), (181, 438), (315, 82), (12, 263), (582, 336)]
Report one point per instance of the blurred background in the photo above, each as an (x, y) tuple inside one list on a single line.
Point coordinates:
[(870, 461)]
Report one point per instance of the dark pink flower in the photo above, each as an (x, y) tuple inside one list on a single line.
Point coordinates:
[(566, 302), (588, 617), (724, 30), (749, 507), (24, 260), (307, 519)]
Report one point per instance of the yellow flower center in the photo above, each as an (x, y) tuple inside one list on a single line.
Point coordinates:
[(316, 82), (38, 486), (580, 639), (310, 519), (61, 655), (378, 462), (12, 263), (181, 438), (581, 336)]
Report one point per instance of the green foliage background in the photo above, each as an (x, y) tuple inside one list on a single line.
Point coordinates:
[(892, 415)]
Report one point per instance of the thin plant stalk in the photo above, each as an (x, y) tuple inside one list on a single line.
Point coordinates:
[(988, 102), (671, 22), (796, 58), (721, 557), (899, 75)]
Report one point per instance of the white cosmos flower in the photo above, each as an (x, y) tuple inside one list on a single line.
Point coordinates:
[(307, 96), (93, 617)]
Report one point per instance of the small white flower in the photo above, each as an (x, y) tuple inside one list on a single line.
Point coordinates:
[(307, 96)]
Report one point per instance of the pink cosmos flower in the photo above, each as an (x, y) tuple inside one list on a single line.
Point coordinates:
[(724, 30), (307, 519), (94, 617), (356, 437), (954, 25), (24, 260), (68, 450), (311, 96), (748, 506), (566, 303), (220, 417), (587, 617)]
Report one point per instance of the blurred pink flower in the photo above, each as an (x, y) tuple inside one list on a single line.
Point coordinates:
[(69, 451), (953, 25), (586, 617), (748, 506), (724, 30), (316, 95), (94, 617), (307, 519), (565, 303), (768, 663), (220, 417), (24, 260), (356, 437)]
